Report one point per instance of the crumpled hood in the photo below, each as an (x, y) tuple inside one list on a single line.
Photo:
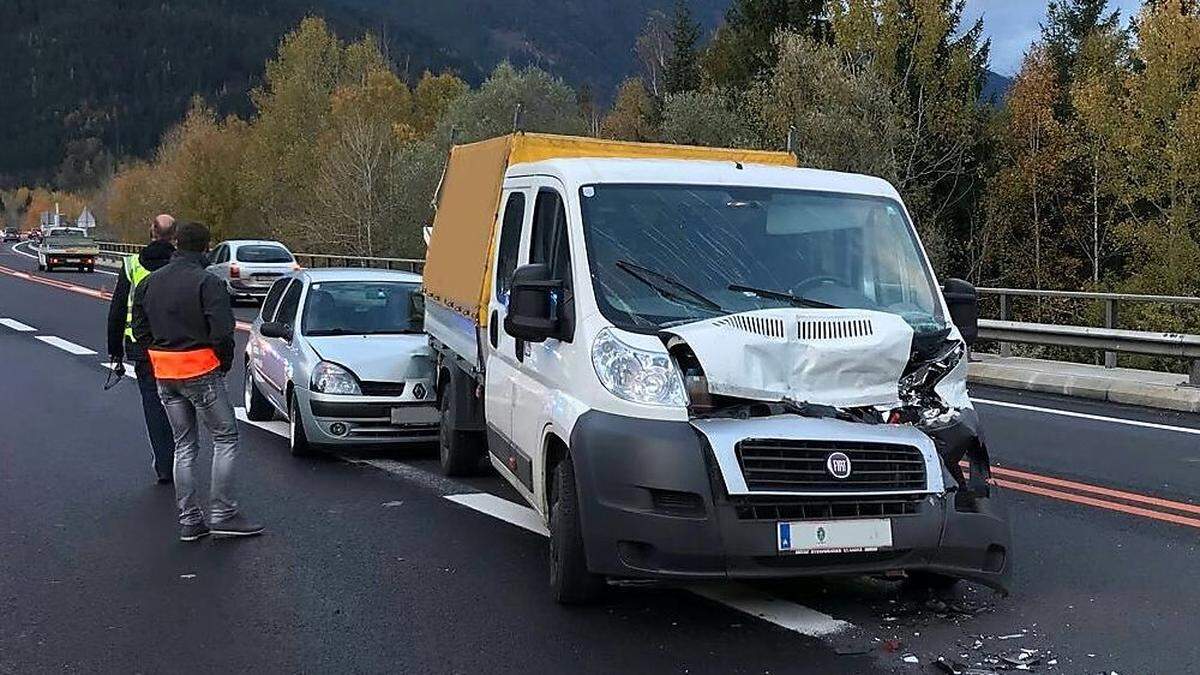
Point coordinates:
[(379, 358), (838, 357)]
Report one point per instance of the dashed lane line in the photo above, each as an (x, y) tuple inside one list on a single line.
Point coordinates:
[(782, 613), (17, 326), (65, 345), (1089, 416), (129, 370), (498, 507)]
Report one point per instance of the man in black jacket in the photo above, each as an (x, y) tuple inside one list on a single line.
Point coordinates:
[(182, 317), (121, 343)]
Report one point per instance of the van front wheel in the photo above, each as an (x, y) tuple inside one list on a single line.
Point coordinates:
[(570, 579)]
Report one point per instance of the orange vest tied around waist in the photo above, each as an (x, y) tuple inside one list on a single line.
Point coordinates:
[(183, 365)]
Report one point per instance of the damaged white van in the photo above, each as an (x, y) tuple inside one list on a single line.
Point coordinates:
[(700, 363)]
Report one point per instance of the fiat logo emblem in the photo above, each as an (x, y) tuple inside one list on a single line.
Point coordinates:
[(838, 465)]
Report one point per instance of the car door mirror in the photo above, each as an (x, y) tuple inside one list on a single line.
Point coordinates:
[(963, 301), (533, 304), (276, 329)]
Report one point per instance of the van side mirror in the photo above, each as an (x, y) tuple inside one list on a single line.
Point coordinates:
[(963, 301), (276, 329), (533, 304)]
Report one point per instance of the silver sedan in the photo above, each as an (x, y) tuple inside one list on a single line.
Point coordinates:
[(343, 356)]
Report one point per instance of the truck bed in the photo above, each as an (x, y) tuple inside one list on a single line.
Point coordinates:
[(453, 331)]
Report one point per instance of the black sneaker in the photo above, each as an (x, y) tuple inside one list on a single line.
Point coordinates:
[(237, 526), (193, 532)]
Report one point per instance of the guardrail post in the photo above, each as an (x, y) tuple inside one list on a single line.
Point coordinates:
[(1110, 321), (1005, 315), (1194, 375)]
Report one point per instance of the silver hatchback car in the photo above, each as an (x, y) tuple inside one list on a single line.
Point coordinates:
[(343, 356), (249, 266)]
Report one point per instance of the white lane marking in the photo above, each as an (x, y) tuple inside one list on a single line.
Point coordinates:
[(783, 613), (18, 326), (1087, 416), (274, 426), (64, 345), (18, 251), (498, 507), (128, 369)]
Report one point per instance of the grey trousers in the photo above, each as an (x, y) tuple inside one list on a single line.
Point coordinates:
[(205, 400)]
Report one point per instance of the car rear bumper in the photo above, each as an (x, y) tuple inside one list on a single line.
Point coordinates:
[(654, 506)]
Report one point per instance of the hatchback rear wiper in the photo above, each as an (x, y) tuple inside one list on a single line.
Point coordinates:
[(663, 285), (796, 300)]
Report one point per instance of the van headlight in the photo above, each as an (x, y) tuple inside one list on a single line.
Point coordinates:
[(636, 375), (330, 378)]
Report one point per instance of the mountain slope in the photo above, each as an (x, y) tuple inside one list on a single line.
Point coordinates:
[(95, 79)]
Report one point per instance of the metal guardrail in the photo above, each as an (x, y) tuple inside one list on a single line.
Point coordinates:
[(312, 260), (1111, 339)]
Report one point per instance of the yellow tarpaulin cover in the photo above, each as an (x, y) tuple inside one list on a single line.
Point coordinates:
[(456, 267)]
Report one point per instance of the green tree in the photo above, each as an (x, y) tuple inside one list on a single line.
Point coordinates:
[(743, 48), (832, 108), (933, 71), (547, 105), (633, 116), (683, 68), (709, 117), (1069, 24), (432, 96)]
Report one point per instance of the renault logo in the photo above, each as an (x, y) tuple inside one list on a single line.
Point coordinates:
[(838, 465)]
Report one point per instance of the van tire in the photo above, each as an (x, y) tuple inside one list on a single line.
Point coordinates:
[(570, 580), (458, 451)]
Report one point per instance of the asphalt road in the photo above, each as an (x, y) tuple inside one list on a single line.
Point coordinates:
[(368, 566)]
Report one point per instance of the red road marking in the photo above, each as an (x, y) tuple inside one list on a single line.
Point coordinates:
[(1098, 503), (1095, 489)]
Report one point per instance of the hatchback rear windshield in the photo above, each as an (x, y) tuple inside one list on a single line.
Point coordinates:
[(260, 253)]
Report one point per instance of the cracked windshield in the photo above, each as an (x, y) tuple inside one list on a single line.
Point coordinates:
[(663, 255)]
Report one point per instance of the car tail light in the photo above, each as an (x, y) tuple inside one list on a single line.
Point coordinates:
[(235, 271)]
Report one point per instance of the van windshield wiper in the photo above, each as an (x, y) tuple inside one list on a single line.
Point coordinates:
[(795, 300), (667, 286)]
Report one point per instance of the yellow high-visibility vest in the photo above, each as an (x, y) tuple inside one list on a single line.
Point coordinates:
[(135, 272)]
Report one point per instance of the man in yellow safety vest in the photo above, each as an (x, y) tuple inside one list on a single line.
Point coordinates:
[(122, 345)]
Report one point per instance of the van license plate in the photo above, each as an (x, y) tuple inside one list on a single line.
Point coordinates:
[(416, 414), (837, 536)]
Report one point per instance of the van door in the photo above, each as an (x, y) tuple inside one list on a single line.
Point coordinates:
[(501, 347), (542, 370)]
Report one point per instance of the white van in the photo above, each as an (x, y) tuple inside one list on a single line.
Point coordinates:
[(707, 364)]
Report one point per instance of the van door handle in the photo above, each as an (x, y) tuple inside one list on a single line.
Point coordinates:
[(494, 329)]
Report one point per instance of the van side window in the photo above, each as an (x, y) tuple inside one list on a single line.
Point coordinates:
[(550, 244), (510, 242)]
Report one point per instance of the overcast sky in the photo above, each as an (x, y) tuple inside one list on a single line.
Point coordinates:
[(1014, 24)]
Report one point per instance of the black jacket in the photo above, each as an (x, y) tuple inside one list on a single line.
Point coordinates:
[(156, 255), (182, 307)]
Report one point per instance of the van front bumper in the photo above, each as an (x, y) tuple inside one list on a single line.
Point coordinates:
[(653, 506)]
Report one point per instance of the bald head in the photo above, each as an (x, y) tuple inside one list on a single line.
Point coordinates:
[(163, 228)]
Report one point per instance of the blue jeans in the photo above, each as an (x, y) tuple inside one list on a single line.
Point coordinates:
[(206, 400)]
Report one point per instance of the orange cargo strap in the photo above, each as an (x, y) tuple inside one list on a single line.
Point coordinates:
[(183, 365)]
